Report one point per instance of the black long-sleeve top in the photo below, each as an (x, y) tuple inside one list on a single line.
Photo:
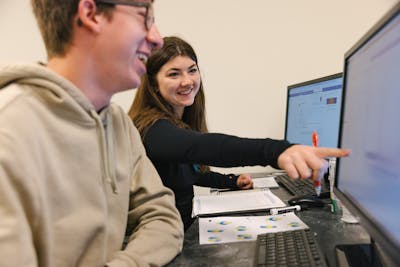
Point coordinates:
[(175, 152)]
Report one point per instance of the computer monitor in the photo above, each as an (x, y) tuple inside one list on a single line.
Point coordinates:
[(314, 106), (369, 179)]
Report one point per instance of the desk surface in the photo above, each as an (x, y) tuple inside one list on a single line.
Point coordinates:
[(329, 231)]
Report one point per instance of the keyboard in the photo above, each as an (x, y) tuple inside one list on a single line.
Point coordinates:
[(301, 187), (291, 248)]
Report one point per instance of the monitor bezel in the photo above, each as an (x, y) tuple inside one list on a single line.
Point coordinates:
[(389, 246), (309, 82)]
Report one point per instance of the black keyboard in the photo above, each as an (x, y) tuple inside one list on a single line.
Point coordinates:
[(301, 187), (291, 248)]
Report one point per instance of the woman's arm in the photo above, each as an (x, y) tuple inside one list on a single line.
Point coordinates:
[(166, 142), (218, 180)]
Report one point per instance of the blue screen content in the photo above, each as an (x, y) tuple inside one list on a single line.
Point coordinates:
[(370, 176), (314, 107)]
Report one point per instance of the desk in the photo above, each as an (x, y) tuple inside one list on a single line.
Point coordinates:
[(328, 227)]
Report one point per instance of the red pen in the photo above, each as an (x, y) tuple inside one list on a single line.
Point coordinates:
[(317, 183), (314, 138)]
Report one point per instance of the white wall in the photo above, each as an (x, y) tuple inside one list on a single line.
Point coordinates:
[(19, 35), (249, 51)]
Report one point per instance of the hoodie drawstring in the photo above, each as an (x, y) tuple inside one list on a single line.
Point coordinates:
[(107, 148)]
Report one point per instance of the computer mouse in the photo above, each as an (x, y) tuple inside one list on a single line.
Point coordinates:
[(307, 201)]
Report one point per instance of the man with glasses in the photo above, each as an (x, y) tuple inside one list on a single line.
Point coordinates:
[(75, 181)]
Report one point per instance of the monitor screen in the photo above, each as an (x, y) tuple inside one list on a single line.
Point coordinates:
[(369, 179), (314, 106)]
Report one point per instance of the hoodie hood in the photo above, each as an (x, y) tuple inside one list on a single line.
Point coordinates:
[(59, 91)]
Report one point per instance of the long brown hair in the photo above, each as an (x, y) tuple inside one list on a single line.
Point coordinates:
[(149, 106)]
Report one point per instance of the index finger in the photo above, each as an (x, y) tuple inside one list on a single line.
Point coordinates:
[(325, 152)]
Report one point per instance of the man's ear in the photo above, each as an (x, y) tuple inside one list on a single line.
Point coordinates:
[(87, 17)]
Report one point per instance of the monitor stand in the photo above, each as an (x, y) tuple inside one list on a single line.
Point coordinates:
[(366, 255)]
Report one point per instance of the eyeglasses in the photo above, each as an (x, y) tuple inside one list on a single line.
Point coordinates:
[(149, 17)]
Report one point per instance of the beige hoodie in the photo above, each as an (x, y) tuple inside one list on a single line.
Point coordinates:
[(73, 181)]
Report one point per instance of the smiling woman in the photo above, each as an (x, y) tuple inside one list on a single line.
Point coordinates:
[(169, 111)]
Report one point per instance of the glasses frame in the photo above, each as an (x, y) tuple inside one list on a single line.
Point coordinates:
[(149, 19)]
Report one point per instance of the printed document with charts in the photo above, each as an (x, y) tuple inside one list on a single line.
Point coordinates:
[(235, 202)]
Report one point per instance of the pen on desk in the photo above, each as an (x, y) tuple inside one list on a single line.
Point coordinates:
[(284, 210), (317, 183)]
